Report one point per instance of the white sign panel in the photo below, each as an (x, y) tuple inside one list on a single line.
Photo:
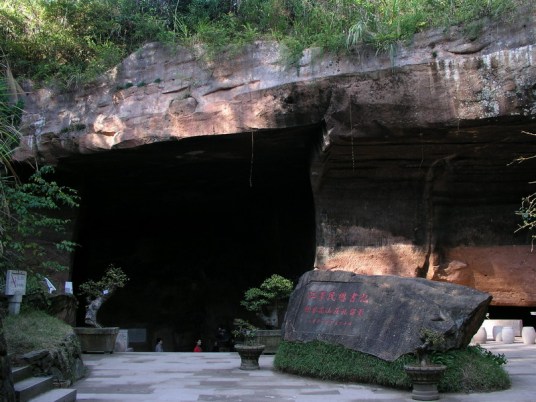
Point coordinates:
[(15, 282)]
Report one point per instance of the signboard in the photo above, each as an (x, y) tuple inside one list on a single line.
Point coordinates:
[(15, 282)]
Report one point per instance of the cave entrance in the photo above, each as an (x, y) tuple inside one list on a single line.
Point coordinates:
[(194, 223)]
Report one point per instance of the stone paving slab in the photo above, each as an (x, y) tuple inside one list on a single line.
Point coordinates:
[(189, 377)]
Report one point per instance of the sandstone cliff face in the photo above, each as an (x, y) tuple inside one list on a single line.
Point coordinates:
[(409, 156)]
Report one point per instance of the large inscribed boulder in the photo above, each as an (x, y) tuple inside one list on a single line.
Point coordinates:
[(381, 315)]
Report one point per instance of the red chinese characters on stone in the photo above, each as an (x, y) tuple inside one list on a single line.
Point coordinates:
[(328, 321), (334, 308), (340, 297), (335, 311)]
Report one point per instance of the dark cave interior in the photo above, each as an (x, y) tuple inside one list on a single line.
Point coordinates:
[(194, 223)]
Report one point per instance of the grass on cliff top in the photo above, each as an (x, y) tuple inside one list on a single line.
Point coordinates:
[(70, 43), (473, 369), (33, 330)]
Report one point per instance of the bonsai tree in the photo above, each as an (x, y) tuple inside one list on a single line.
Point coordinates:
[(244, 332), (432, 340), (425, 376), (97, 292), (269, 299)]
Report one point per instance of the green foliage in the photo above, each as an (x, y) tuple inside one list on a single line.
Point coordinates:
[(113, 278), (474, 369), (27, 209), (433, 339), (27, 218), (244, 332), (469, 370), (271, 292), (68, 43), (384, 23), (33, 330), (10, 116)]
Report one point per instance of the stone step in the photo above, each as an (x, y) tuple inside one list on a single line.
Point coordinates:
[(56, 395), (31, 387), (20, 373)]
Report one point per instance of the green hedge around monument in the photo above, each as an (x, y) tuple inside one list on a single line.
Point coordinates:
[(473, 369)]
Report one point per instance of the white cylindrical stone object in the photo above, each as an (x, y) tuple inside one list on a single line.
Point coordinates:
[(496, 332), (507, 335), (528, 334), (481, 336)]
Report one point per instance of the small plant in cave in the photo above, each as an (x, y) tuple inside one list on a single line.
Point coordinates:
[(98, 292), (269, 299)]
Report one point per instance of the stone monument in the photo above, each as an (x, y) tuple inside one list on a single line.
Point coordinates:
[(381, 315)]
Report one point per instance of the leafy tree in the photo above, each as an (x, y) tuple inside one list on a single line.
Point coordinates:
[(25, 208), (27, 218), (269, 299)]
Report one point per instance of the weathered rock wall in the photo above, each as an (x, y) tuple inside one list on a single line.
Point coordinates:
[(411, 174), (157, 94)]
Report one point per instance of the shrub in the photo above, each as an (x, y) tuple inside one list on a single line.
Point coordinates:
[(472, 369)]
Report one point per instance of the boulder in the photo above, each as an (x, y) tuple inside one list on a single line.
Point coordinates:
[(381, 315)]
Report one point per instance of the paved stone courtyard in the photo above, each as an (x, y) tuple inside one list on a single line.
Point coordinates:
[(185, 377)]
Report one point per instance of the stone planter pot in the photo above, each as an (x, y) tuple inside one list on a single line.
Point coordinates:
[(507, 335), (425, 380), (270, 338), (249, 356), (97, 340), (528, 334)]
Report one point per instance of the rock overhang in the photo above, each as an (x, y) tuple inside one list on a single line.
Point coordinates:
[(445, 116)]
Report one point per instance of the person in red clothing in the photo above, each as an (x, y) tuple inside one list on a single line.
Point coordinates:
[(198, 346)]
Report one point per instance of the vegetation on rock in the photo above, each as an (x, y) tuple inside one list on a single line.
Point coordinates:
[(70, 43), (472, 369), (27, 209), (34, 330)]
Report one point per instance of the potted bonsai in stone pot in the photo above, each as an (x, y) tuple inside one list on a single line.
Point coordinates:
[(425, 375), (269, 302), (94, 337), (247, 346)]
